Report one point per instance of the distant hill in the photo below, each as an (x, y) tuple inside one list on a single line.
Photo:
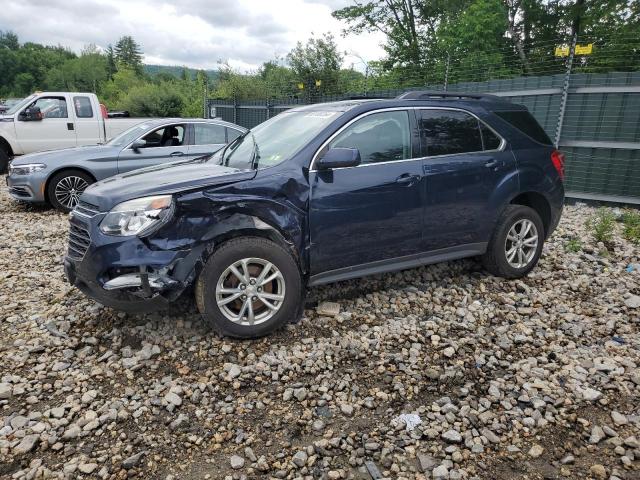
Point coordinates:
[(176, 71)]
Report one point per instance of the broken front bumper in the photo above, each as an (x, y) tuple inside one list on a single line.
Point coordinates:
[(125, 273)]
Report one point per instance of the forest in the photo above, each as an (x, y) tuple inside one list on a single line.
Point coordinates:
[(427, 42)]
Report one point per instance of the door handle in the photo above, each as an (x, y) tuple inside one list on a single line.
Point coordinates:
[(69, 126), (491, 163), (176, 154), (407, 179)]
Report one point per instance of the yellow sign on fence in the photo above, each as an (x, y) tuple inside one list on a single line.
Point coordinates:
[(584, 49), (563, 50)]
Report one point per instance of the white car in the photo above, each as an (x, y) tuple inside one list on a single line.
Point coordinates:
[(55, 120)]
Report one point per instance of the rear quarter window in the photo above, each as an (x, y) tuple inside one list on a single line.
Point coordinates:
[(524, 121)]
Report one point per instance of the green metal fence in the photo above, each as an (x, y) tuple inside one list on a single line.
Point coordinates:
[(598, 129)]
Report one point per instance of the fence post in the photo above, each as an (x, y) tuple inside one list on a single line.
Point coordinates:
[(205, 103), (565, 91), (268, 105), (446, 72), (235, 109)]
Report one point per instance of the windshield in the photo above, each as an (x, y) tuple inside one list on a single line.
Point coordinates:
[(129, 135), (277, 139), (20, 104)]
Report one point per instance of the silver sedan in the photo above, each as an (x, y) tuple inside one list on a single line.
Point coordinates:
[(59, 177)]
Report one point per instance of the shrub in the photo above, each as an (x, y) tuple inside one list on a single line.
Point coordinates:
[(631, 230), (152, 101), (573, 245), (602, 224)]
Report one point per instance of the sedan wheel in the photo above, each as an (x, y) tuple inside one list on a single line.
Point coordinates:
[(68, 191), (65, 187)]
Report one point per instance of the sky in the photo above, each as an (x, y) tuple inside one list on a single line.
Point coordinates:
[(193, 33)]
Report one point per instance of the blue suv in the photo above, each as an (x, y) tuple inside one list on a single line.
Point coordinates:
[(319, 194)]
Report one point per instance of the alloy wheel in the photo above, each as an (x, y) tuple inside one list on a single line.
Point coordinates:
[(250, 291), (521, 243), (69, 189)]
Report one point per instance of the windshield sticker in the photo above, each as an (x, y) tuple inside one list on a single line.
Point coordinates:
[(320, 114)]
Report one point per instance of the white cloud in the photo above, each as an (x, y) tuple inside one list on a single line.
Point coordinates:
[(196, 33)]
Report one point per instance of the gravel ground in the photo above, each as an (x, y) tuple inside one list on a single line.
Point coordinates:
[(441, 371)]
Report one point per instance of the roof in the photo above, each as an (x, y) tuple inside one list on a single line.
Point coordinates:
[(158, 121)]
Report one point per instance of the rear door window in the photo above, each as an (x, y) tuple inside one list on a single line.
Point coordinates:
[(448, 132), (83, 107), (380, 137), (208, 134), (524, 121)]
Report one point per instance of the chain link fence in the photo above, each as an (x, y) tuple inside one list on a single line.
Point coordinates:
[(584, 92)]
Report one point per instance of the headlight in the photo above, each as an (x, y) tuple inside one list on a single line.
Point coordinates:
[(26, 169), (138, 217)]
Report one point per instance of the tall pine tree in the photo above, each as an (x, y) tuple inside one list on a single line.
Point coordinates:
[(129, 54), (111, 62)]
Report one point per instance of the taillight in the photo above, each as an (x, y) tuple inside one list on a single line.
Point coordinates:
[(557, 158), (103, 110)]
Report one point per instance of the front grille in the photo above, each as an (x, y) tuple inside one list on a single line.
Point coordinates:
[(87, 209), (79, 240)]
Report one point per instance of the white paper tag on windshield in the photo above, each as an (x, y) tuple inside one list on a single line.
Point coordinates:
[(320, 114)]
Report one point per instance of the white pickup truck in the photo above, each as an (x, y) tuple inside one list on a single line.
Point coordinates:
[(54, 120)]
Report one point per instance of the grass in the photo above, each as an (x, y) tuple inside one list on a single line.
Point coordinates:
[(631, 226), (573, 245), (602, 225)]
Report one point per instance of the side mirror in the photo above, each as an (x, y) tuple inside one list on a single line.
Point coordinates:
[(339, 158), (30, 114), (137, 145)]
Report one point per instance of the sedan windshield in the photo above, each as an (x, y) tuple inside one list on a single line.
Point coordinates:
[(129, 135), (276, 139)]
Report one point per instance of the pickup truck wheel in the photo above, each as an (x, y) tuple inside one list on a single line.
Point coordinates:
[(516, 243), (4, 160), (249, 287), (65, 188)]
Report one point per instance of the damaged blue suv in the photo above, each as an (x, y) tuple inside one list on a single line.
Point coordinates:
[(318, 194)]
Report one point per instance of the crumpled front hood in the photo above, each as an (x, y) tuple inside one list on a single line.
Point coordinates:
[(162, 179), (69, 155)]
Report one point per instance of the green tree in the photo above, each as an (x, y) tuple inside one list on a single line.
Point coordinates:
[(475, 60), (111, 62), (318, 60), (129, 54)]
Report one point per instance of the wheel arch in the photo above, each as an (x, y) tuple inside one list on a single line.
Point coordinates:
[(243, 225), (537, 202), (6, 146)]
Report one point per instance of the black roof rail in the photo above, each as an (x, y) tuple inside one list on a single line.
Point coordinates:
[(441, 94), (365, 97)]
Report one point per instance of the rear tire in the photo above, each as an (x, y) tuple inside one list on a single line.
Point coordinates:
[(65, 188), (516, 243), (249, 287)]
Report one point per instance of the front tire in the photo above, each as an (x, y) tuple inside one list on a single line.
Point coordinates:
[(65, 188), (249, 287), (516, 243), (4, 160)]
